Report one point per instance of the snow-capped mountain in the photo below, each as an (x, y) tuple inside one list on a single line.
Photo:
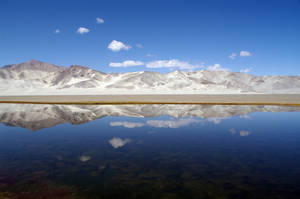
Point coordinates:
[(39, 78), (35, 116)]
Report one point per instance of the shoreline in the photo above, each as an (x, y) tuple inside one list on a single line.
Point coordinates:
[(205, 99)]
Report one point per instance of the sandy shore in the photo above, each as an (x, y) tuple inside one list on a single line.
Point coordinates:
[(230, 99)]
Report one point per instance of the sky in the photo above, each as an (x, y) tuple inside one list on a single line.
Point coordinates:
[(260, 37)]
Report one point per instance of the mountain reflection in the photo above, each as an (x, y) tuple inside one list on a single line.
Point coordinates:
[(35, 117)]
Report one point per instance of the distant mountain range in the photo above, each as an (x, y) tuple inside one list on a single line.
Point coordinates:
[(39, 78), (36, 117)]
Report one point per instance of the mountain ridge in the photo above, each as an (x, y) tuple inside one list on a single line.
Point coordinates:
[(34, 77)]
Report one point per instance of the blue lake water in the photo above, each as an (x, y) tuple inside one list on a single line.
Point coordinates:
[(149, 151)]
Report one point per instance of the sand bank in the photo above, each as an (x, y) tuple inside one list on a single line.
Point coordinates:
[(227, 99)]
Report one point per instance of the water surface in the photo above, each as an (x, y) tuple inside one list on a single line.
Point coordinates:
[(149, 151)]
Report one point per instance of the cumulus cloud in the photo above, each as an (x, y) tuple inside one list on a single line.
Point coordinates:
[(244, 53), (117, 46), (245, 70), (117, 142), (84, 158), (232, 56), (127, 124), (126, 63), (217, 67), (57, 31), (171, 123), (82, 30), (99, 20), (173, 63), (244, 133)]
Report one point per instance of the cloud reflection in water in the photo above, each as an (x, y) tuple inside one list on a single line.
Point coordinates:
[(117, 142)]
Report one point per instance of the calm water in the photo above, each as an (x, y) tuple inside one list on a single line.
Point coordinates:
[(149, 151)]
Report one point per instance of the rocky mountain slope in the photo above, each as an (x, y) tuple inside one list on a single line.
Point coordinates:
[(38, 78)]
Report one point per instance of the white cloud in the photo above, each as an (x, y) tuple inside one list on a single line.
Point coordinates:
[(245, 53), (173, 63), (217, 67), (99, 20), (245, 70), (232, 56), (139, 45), (84, 158), (82, 30), (117, 142), (171, 123), (117, 46), (244, 133), (126, 63), (57, 31), (127, 124)]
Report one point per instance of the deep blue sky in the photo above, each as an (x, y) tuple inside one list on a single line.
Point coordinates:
[(190, 31)]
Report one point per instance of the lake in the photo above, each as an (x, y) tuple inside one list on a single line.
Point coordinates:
[(149, 151)]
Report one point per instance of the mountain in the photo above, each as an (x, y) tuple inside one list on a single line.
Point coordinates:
[(39, 78), (36, 117)]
